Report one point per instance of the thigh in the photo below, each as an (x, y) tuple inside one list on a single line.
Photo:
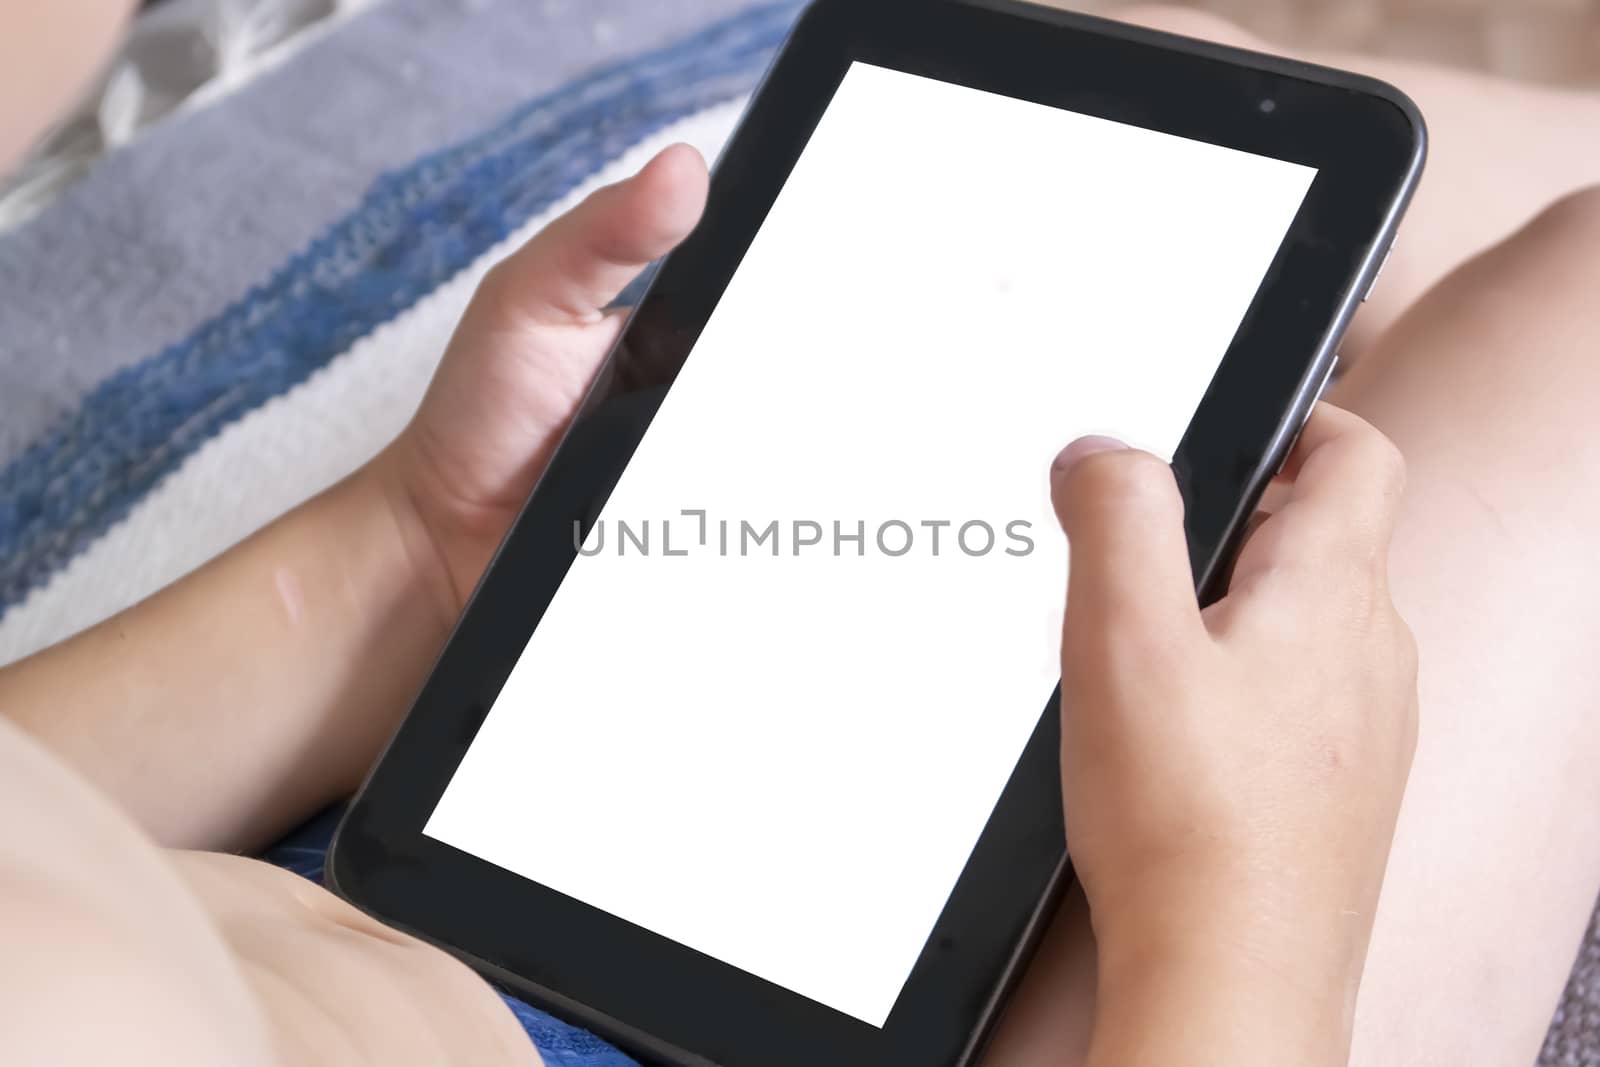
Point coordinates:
[(1488, 386)]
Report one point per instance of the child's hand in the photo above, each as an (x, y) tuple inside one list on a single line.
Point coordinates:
[(520, 361), (1232, 777)]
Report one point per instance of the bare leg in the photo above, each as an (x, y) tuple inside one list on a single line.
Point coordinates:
[(1487, 385)]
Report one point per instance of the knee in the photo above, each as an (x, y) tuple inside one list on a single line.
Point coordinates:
[(1189, 22), (1574, 218), (1546, 272)]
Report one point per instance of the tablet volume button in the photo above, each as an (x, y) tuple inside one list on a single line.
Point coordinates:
[(1322, 390), (1373, 284)]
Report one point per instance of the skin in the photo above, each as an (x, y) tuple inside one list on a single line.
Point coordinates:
[(48, 50), (1472, 357), (1232, 893), (1237, 868)]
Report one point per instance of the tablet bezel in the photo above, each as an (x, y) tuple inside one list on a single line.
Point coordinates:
[(671, 1003)]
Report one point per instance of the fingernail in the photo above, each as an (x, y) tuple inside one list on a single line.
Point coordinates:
[(1080, 449)]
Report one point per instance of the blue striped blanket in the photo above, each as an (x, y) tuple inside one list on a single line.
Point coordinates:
[(193, 341)]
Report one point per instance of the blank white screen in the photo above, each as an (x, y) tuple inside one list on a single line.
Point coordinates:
[(785, 762)]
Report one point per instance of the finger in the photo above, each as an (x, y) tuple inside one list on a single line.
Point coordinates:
[(572, 269), (1123, 517), (1345, 481)]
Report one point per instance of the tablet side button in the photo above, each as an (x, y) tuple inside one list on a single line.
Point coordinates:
[(1322, 390), (1373, 284)]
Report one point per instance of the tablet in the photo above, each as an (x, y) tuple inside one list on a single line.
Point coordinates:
[(745, 749)]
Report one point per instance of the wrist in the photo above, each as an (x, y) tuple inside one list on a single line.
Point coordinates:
[(1202, 1005), (421, 558), (1220, 977)]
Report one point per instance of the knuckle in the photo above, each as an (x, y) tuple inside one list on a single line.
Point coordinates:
[(1388, 465), (493, 280), (496, 289), (1377, 472), (1378, 457), (1385, 481)]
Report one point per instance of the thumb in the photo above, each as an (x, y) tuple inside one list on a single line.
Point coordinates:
[(1129, 560), (573, 268)]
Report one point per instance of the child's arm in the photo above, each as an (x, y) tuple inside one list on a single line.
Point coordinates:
[(226, 707), (261, 687)]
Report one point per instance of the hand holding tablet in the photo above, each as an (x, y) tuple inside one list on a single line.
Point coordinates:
[(816, 815), (1231, 778)]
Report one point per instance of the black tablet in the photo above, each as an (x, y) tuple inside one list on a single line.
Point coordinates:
[(745, 750)]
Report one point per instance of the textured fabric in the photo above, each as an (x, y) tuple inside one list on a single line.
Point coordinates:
[(1574, 1037), (169, 233), (290, 447), (415, 229), (180, 54)]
